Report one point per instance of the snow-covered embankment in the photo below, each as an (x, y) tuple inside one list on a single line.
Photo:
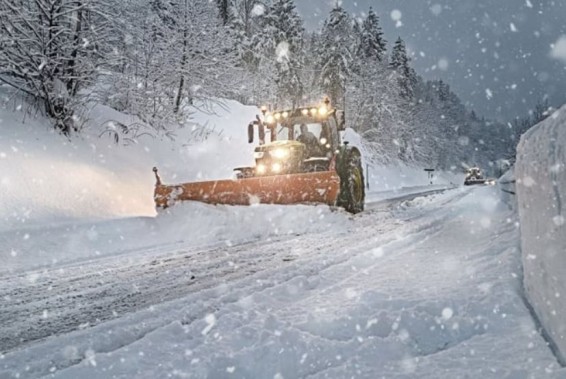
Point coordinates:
[(541, 191)]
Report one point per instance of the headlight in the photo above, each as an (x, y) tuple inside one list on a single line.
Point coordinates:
[(260, 169), (258, 154), (276, 167), (323, 141), (279, 153)]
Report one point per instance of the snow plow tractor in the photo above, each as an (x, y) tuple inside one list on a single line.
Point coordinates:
[(474, 176), (304, 162)]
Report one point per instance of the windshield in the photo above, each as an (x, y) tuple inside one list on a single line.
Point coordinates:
[(284, 130)]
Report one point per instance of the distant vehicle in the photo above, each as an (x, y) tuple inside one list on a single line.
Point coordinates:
[(474, 176)]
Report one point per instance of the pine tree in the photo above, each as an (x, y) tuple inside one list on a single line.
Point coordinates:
[(284, 26), (255, 46), (372, 43), (336, 54), (399, 62)]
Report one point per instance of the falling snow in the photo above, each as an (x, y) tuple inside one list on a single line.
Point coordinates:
[(396, 16)]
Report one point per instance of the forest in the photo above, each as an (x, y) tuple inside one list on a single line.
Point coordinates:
[(159, 59)]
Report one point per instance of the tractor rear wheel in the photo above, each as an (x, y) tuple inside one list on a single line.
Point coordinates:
[(352, 190)]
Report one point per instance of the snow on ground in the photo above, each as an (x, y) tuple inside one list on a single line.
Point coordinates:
[(56, 195), (430, 288), (48, 179), (93, 285), (192, 224)]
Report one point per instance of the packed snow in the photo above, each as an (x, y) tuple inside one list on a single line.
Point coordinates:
[(541, 184), (95, 284)]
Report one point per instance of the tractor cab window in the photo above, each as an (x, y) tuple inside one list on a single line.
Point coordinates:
[(314, 129), (309, 134)]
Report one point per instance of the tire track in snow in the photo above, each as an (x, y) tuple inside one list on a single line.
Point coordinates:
[(165, 278)]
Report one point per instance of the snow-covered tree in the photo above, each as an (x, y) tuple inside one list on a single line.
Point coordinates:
[(399, 62), (255, 48), (336, 58), (172, 53), (372, 42), (51, 50), (285, 28)]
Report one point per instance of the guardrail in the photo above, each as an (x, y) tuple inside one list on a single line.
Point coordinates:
[(510, 183)]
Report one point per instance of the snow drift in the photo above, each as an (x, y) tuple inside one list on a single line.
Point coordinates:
[(541, 190)]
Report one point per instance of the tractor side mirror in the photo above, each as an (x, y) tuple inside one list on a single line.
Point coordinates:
[(261, 132), (251, 132)]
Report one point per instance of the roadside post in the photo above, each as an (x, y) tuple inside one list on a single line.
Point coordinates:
[(430, 172)]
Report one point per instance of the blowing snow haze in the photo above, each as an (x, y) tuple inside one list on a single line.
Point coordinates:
[(501, 57)]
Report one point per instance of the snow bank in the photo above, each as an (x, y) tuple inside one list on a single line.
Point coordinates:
[(47, 179), (399, 175), (541, 190)]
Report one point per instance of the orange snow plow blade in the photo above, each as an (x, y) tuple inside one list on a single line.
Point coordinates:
[(317, 187)]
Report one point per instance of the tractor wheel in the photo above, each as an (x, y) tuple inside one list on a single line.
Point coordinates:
[(352, 190)]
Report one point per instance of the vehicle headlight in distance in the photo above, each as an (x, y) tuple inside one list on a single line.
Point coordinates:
[(276, 167), (258, 154), (323, 141), (280, 153)]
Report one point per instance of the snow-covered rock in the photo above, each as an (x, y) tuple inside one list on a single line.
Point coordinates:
[(541, 187)]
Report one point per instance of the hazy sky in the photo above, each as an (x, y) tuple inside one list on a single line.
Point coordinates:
[(499, 56)]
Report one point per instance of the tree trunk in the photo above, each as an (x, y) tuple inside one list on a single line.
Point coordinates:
[(183, 65), (72, 84)]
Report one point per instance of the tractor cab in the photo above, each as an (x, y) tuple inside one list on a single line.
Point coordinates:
[(300, 140), (304, 162)]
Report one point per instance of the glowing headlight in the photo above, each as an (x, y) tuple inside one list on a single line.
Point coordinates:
[(322, 111), (279, 153), (276, 167), (258, 154), (269, 119), (305, 112), (277, 116), (313, 111), (285, 114), (260, 169), (323, 141)]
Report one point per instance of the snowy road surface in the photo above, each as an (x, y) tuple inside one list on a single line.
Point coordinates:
[(421, 288)]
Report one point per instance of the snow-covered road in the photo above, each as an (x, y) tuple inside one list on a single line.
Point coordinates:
[(421, 288)]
